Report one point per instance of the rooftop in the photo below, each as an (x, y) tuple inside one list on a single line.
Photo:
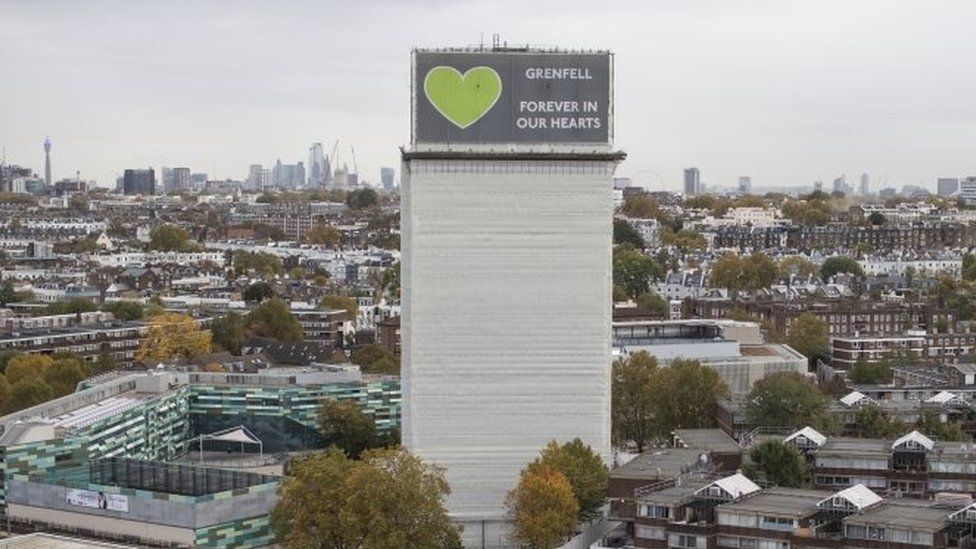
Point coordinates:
[(712, 440), (781, 502), (40, 540), (903, 514), (659, 463)]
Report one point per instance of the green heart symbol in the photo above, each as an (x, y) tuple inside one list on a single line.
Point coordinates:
[(462, 98)]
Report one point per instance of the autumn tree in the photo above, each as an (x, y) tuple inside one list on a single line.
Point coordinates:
[(169, 238), (26, 393), (26, 366), (64, 374), (777, 463), (640, 207), (345, 425), (542, 509), (653, 301), (273, 319), (323, 234), (349, 304), (685, 395), (387, 500), (375, 359), (808, 335), (796, 266), (755, 272), (786, 399), (583, 468), (172, 336), (632, 404), (228, 332), (125, 310)]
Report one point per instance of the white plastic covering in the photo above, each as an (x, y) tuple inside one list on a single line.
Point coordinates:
[(858, 496), (942, 397), (914, 438), (506, 318), (810, 434), (736, 486), (853, 398)]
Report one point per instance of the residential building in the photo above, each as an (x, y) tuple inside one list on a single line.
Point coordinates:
[(947, 186), (967, 190)]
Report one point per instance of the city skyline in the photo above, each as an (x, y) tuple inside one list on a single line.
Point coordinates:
[(790, 94)]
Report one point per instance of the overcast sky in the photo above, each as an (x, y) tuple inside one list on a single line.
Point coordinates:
[(785, 91)]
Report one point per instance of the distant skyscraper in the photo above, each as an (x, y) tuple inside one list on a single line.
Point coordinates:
[(47, 162), (318, 166), (180, 179), (840, 184), (692, 182), (818, 186), (967, 190), (745, 184), (288, 176), (139, 182), (166, 178), (865, 184), (948, 186), (386, 178)]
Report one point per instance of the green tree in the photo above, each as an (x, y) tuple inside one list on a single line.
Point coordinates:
[(375, 359), (654, 302), (872, 422), (786, 399), (542, 509), (390, 499), (685, 395), (736, 273), (624, 233), (23, 367), (633, 271), (169, 238), (229, 332), (261, 263), (796, 265), (26, 393), (808, 335), (840, 264), (258, 292), (583, 468), (349, 304), (931, 424), (274, 320), (778, 463), (876, 218), (324, 235), (70, 307), (64, 374), (125, 310), (969, 267), (8, 294), (343, 424), (865, 372), (685, 240), (640, 207), (362, 199), (632, 403), (6, 357)]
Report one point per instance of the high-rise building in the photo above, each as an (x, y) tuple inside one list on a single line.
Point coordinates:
[(865, 184), (692, 182), (318, 169), (840, 185), (967, 190), (386, 178), (506, 275), (47, 162), (259, 177), (745, 184), (181, 179), (288, 176), (166, 178), (947, 186), (136, 181)]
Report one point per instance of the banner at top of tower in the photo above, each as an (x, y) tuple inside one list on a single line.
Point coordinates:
[(522, 97)]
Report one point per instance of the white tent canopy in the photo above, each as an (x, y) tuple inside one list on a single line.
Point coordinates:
[(238, 435)]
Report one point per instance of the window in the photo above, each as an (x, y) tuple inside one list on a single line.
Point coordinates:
[(684, 541), (649, 532)]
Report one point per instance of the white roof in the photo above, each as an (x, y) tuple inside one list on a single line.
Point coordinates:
[(859, 495), (737, 485), (86, 415), (810, 434), (917, 438), (234, 434), (942, 397), (853, 398)]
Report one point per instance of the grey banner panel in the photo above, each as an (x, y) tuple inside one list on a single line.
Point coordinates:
[(512, 97)]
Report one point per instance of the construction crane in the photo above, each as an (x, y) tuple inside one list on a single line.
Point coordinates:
[(333, 159), (355, 168)]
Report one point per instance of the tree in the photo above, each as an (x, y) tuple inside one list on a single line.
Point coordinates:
[(125, 310), (969, 267), (808, 335), (64, 375), (778, 463), (71, 307), (797, 266), (387, 500), (654, 302), (6, 357), (375, 359), (274, 320), (736, 273), (8, 294), (169, 238), (633, 271), (870, 372), (228, 332), (685, 240), (632, 404), (542, 509), (583, 468), (258, 292), (324, 234), (172, 336), (346, 303), (685, 395), (343, 424), (640, 207), (262, 263), (624, 233), (26, 393), (786, 399), (876, 218), (931, 424), (25, 366), (362, 199), (872, 422), (840, 264)]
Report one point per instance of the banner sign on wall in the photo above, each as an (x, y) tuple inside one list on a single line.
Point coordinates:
[(98, 500)]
